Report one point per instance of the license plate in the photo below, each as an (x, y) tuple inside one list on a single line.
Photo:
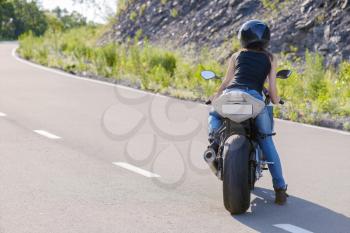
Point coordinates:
[(237, 109)]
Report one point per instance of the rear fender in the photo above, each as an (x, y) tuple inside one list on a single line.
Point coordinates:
[(237, 142)]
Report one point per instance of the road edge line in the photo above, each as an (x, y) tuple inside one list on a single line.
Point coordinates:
[(67, 75), (315, 127)]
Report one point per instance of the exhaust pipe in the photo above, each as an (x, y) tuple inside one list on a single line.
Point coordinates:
[(210, 158)]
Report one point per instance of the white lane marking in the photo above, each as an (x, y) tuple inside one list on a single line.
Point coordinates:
[(136, 169), (59, 72), (2, 114), (315, 127), (47, 134), (291, 228)]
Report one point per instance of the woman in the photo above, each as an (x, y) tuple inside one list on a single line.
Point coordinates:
[(248, 70)]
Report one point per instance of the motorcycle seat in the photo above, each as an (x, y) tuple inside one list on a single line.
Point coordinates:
[(238, 106)]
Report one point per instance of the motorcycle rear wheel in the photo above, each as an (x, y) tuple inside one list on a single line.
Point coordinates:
[(236, 187)]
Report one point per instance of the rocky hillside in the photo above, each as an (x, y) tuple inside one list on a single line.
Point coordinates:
[(297, 25)]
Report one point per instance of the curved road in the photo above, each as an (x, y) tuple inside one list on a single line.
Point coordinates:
[(78, 155)]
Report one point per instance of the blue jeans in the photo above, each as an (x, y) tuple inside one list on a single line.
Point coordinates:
[(264, 124)]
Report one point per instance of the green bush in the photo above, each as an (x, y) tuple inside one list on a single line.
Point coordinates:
[(342, 88), (122, 5), (133, 16), (165, 60), (143, 9), (174, 12), (274, 5), (270, 4)]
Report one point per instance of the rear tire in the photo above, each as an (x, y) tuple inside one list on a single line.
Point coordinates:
[(236, 188)]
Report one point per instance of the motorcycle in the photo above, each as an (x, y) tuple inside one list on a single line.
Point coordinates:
[(239, 161)]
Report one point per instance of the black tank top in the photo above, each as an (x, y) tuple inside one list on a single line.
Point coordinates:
[(251, 70)]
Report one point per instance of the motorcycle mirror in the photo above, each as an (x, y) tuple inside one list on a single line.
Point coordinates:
[(207, 74), (283, 74)]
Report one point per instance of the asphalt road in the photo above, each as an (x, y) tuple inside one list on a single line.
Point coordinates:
[(67, 146)]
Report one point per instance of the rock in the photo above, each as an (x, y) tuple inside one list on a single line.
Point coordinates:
[(332, 47), (233, 3), (336, 60), (305, 6), (335, 39), (327, 32), (323, 49), (345, 4), (302, 25), (318, 31), (316, 25)]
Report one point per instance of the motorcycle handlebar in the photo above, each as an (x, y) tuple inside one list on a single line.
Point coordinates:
[(266, 93), (208, 102)]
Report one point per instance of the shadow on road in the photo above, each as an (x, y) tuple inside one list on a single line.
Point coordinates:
[(301, 213)]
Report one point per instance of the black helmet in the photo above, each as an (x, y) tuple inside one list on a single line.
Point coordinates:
[(254, 32)]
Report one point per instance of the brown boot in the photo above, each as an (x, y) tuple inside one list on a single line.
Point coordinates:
[(281, 196)]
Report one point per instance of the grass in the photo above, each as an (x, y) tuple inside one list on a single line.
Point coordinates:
[(123, 4), (317, 92), (270, 4), (312, 93), (174, 13), (133, 16), (274, 5)]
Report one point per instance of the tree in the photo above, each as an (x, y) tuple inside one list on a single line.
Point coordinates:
[(7, 27), (20, 16), (55, 27), (28, 17), (69, 20), (102, 8)]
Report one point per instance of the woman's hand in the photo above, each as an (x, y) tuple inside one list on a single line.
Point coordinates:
[(212, 98)]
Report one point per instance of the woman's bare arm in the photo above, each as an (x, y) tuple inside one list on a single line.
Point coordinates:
[(229, 76), (272, 82)]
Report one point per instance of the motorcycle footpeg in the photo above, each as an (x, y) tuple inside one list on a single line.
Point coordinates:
[(265, 164)]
